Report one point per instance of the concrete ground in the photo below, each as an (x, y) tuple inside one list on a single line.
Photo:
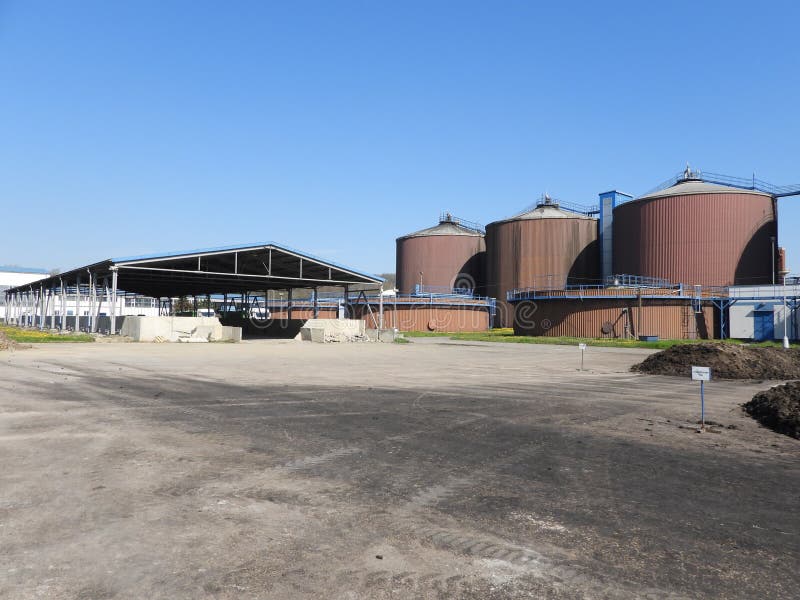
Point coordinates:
[(427, 470)]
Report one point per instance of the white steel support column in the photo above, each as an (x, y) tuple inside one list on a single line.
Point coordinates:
[(95, 310), (78, 303), (113, 300), (48, 300), (63, 322), (42, 307), (380, 320), (106, 295)]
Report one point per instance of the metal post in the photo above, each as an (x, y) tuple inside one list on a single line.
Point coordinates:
[(93, 307), (772, 244), (289, 305), (316, 303), (41, 307), (785, 317), (63, 306), (113, 301), (639, 314), (380, 311), (702, 405), (96, 303), (78, 303)]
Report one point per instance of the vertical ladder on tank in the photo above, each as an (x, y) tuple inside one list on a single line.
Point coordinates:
[(686, 320)]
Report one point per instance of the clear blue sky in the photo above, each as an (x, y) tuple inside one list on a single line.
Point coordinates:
[(336, 126)]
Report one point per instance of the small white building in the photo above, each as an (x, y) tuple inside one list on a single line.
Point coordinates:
[(764, 312), (14, 276)]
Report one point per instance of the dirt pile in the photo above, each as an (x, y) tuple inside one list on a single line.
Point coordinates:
[(727, 361), (778, 408), (5, 343)]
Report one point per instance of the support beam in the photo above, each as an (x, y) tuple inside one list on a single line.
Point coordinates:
[(94, 309), (380, 318), (63, 322), (78, 303), (41, 307), (114, 274)]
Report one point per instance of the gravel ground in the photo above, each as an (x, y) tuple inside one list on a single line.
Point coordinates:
[(434, 469)]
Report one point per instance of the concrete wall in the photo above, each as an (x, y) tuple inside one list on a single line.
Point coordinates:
[(333, 330), (176, 329)]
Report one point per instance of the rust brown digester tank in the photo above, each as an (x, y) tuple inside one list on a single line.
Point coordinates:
[(450, 255), (697, 233), (541, 248)]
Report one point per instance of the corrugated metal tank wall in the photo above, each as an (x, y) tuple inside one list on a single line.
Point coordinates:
[(699, 239), (420, 317), (541, 252), (446, 261), (597, 318)]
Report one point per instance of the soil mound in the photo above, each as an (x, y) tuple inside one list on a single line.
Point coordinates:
[(5, 343), (727, 361), (778, 408)]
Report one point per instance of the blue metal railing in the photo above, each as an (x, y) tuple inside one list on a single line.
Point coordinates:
[(745, 183), (447, 217), (574, 207), (427, 290), (637, 281)]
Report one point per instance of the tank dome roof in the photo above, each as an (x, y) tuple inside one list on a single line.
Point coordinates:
[(688, 187), (448, 225), (545, 211)]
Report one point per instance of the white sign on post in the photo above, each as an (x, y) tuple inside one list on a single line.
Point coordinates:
[(701, 373), (582, 348)]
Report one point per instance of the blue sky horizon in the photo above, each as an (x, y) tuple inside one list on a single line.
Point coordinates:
[(132, 128)]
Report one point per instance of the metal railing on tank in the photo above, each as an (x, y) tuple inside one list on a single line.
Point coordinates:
[(745, 183), (574, 207), (447, 217), (637, 281), (442, 291)]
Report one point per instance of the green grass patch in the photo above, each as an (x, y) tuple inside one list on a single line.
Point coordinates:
[(507, 335), (427, 334), (36, 336)]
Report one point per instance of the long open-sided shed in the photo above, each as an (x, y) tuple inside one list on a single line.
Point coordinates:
[(238, 269)]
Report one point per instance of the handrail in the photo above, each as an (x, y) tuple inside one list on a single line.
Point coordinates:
[(447, 217), (745, 183)]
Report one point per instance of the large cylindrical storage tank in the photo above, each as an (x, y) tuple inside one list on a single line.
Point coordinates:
[(697, 233), (541, 248), (449, 255)]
